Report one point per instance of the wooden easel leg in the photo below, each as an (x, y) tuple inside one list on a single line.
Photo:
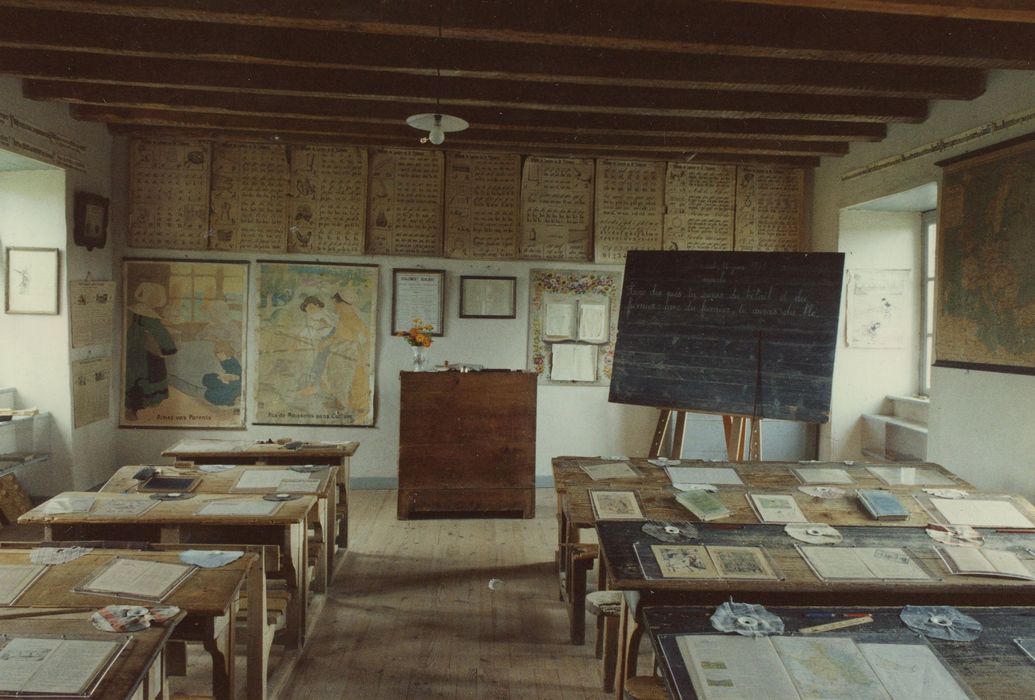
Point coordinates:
[(733, 427), (677, 436), (755, 444), (659, 433)]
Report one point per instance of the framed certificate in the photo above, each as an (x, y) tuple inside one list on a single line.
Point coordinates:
[(418, 294), (488, 297)]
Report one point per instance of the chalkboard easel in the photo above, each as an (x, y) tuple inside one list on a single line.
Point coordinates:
[(733, 428)]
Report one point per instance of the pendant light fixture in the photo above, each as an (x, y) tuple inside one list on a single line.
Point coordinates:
[(436, 123)]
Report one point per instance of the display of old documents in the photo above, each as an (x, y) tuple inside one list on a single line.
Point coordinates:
[(699, 206), (483, 194), (405, 216), (770, 209), (629, 207), (249, 197), (328, 199), (168, 194), (556, 208)]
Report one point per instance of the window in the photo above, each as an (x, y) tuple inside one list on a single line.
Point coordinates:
[(928, 236)]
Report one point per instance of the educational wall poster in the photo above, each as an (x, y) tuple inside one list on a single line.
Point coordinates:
[(91, 387), (183, 344), (406, 187), (249, 197), (168, 194), (483, 193), (877, 314), (91, 306), (35, 141), (316, 344), (986, 242), (573, 325), (556, 208), (629, 208), (700, 202), (770, 209), (327, 207)]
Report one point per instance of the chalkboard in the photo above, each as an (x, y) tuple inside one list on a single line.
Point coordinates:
[(749, 334)]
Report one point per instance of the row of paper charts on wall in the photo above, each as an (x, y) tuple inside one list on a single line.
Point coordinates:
[(184, 344)]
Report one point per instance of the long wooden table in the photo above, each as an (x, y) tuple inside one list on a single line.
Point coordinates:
[(798, 585), (575, 511), (137, 674), (225, 482), (992, 665), (208, 596), (175, 522), (337, 454)]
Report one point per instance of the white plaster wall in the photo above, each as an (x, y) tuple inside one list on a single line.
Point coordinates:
[(864, 376), (39, 363), (961, 403)]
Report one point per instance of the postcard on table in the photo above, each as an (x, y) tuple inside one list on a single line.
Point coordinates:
[(776, 508), (684, 561), (822, 475), (981, 512), (741, 562), (703, 475), (616, 505), (609, 470)]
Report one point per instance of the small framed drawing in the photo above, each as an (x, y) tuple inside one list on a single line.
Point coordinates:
[(32, 281), (91, 220), (488, 297), (418, 294)]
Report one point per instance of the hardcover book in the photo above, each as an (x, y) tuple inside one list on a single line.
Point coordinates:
[(882, 505)]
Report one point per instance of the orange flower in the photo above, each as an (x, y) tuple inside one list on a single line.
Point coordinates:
[(419, 335)]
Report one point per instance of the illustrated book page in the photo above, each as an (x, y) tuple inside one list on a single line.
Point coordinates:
[(699, 206), (53, 666), (573, 362), (168, 194), (731, 667), (684, 561), (984, 562), (483, 195), (770, 209), (831, 667), (616, 505), (629, 207), (776, 508), (559, 318), (556, 208), (980, 513), (91, 311), (328, 201), (913, 671), (249, 197), (741, 562), (704, 475), (862, 563), (594, 324), (406, 191), (612, 470)]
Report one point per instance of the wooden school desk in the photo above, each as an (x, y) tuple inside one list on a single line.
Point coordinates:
[(137, 674), (208, 597), (575, 511), (336, 454), (992, 665), (799, 585), (175, 522), (224, 482)]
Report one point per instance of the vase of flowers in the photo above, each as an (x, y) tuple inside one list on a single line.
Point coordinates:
[(419, 339)]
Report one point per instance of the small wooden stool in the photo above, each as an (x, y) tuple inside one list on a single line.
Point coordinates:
[(645, 688), (607, 606)]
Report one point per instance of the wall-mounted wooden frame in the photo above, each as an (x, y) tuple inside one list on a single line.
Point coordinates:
[(32, 276), (91, 220), (418, 293), (488, 297)]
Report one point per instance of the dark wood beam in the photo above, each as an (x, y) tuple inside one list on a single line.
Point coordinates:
[(475, 137), (453, 144), (172, 39), (457, 92), (994, 10), (336, 109), (712, 27)]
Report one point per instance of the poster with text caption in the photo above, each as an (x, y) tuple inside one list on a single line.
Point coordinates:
[(316, 344), (183, 344)]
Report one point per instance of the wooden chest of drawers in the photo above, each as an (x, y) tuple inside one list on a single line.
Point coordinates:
[(467, 444)]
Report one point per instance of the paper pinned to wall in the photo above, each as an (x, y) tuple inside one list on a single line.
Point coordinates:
[(573, 362), (91, 311), (876, 310)]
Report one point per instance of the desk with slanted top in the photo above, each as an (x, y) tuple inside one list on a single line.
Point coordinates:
[(992, 665), (798, 585), (225, 482), (138, 673), (338, 454), (175, 522), (208, 596), (575, 512)]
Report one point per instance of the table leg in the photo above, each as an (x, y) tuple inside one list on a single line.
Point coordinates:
[(330, 524), (343, 503), (295, 566), (322, 574), (629, 634), (222, 660), (578, 566), (256, 629)]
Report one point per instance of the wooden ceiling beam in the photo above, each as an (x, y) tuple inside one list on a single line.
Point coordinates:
[(420, 94), (993, 10), (704, 26), (180, 40), (152, 132), (532, 139), (333, 108)]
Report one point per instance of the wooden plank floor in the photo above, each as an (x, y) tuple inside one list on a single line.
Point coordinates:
[(411, 615)]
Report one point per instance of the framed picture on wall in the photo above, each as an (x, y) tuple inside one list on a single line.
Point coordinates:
[(418, 294), (488, 297), (31, 276), (91, 220)]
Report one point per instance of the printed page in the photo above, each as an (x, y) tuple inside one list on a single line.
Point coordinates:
[(836, 563), (703, 475), (910, 671), (126, 507), (699, 206), (980, 513), (264, 479), (776, 508), (741, 562), (15, 578), (831, 667), (731, 667), (137, 578), (559, 320), (629, 208), (684, 561), (614, 470), (594, 324), (70, 666), (816, 475), (239, 506), (556, 208), (890, 563)]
